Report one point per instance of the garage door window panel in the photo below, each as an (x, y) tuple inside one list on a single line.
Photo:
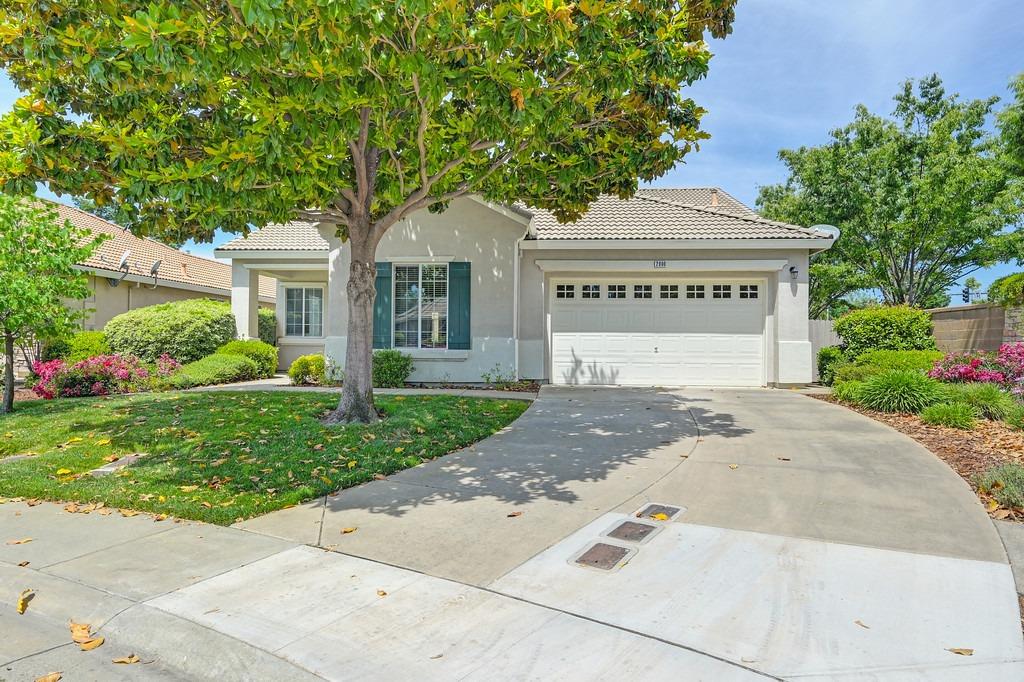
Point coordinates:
[(694, 291), (721, 291), (616, 291), (590, 291), (748, 291), (669, 291), (642, 291)]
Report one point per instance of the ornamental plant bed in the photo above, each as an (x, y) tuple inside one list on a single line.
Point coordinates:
[(222, 457), (969, 453)]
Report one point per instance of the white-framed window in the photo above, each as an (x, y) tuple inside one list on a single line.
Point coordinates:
[(616, 291), (694, 291), (721, 291), (304, 311), (748, 291), (421, 306), (565, 291), (669, 291), (590, 291), (643, 291)]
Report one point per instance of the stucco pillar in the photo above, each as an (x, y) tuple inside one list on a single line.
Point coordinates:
[(245, 301), (336, 305), (792, 330)]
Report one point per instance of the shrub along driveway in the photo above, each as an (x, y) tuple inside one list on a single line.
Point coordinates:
[(813, 542)]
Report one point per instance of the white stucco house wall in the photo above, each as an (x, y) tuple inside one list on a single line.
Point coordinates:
[(671, 287)]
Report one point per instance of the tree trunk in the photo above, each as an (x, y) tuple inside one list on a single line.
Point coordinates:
[(356, 404), (8, 405)]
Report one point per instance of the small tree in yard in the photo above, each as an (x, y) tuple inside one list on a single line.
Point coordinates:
[(230, 113), (37, 258)]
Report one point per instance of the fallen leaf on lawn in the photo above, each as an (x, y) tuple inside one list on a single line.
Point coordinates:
[(75, 439), (130, 658), (22, 541), (111, 458), (660, 516), (103, 441), (127, 512), (961, 652), (352, 463), (381, 593), (90, 644), (346, 531), (63, 472), (399, 450), (514, 514), (52, 677), (734, 466), (24, 598), (861, 623), (188, 488)]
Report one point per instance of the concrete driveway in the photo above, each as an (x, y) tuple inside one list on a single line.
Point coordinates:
[(809, 543)]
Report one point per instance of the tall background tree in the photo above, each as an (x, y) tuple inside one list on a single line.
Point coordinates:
[(922, 198), (193, 116), (38, 253)]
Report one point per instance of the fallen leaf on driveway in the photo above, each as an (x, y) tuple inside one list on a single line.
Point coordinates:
[(961, 652), (346, 531), (130, 658), (381, 593), (379, 477), (734, 466), (80, 632), (90, 644), (514, 514), (128, 512), (660, 516), (436, 656), (22, 541), (861, 623), (24, 598), (784, 459), (52, 677), (23, 564)]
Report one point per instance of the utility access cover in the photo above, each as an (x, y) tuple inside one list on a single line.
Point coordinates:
[(603, 556), (632, 531)]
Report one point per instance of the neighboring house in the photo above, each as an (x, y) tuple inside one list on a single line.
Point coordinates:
[(179, 275), (671, 287)]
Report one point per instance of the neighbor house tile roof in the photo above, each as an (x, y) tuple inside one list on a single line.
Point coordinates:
[(178, 267), (653, 213), (658, 214)]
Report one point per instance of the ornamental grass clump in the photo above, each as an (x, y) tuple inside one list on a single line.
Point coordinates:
[(953, 415), (900, 390), (988, 400)]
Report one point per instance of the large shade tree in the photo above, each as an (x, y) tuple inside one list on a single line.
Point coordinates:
[(923, 198), (199, 115)]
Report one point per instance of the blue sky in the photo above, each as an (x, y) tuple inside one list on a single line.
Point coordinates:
[(794, 69)]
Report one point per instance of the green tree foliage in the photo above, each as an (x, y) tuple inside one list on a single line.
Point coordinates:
[(353, 114), (922, 198), (1008, 290), (38, 254)]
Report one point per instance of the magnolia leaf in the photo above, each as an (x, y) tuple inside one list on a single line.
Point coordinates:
[(63, 472), (80, 632), (52, 677), (22, 541), (188, 488), (381, 593), (514, 514), (346, 531), (103, 441), (961, 652), (24, 598), (660, 516), (734, 466), (130, 658), (90, 644)]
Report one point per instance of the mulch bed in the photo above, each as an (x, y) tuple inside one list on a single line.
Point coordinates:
[(969, 453), (22, 394)]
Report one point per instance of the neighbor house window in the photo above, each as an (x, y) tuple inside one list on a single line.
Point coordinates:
[(591, 291), (721, 291), (565, 291), (748, 291), (616, 291), (694, 291), (670, 291), (304, 311), (421, 306)]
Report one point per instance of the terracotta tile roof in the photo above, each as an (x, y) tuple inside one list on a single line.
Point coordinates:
[(699, 196), (176, 266), (293, 236)]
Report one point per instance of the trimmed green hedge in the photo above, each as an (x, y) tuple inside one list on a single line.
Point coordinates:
[(185, 330), (79, 346), (267, 326), (219, 368), (391, 368), (885, 328), (829, 357), (308, 369), (876, 362), (263, 354)]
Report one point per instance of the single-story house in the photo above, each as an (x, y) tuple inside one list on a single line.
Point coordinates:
[(127, 272), (670, 287)]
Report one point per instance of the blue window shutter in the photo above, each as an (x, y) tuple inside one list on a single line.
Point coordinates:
[(458, 306), (382, 307)]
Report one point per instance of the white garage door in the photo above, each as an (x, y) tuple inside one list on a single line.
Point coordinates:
[(658, 333)]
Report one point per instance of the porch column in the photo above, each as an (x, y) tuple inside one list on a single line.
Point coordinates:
[(245, 301), (792, 329)]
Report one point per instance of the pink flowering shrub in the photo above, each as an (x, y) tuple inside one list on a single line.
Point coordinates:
[(166, 365), (95, 376), (1004, 367)]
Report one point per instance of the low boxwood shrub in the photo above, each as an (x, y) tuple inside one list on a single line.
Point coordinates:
[(848, 392), (391, 368), (922, 360), (185, 330), (828, 358), (1005, 483), (988, 400), (888, 328), (308, 370), (849, 371), (219, 368), (900, 390), (84, 345), (954, 415), (263, 354), (267, 326)]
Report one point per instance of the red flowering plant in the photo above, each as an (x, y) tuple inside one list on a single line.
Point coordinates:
[(166, 365), (1004, 367), (95, 376)]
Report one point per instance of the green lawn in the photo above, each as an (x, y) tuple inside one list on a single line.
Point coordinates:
[(221, 457)]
